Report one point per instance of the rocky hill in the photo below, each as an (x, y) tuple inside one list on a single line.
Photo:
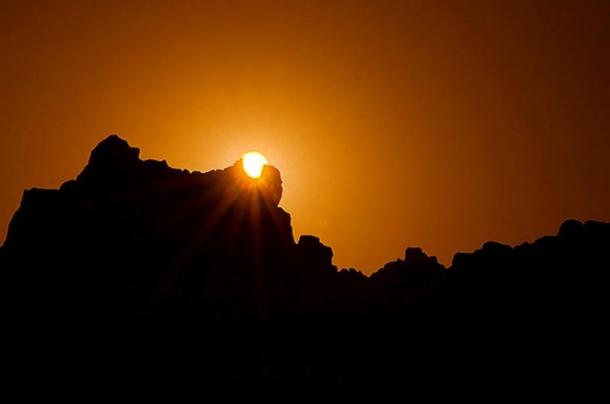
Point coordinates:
[(143, 276)]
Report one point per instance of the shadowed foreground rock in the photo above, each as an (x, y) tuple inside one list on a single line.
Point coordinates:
[(142, 277)]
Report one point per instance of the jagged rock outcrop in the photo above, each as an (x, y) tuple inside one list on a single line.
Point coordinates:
[(314, 254), (133, 233), (563, 270), (418, 279), (139, 272)]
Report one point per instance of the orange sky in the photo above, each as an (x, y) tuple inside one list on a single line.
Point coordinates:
[(432, 124)]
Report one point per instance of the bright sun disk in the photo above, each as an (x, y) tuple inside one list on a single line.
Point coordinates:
[(253, 163)]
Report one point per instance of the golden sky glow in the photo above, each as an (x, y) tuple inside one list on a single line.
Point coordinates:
[(394, 123)]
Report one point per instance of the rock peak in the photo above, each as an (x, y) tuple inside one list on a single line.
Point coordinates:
[(113, 151), (112, 159)]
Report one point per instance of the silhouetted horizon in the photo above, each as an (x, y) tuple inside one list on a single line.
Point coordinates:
[(139, 276), (114, 138)]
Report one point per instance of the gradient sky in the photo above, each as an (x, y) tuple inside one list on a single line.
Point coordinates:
[(439, 124)]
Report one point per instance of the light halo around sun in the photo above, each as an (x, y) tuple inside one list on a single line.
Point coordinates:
[(253, 163)]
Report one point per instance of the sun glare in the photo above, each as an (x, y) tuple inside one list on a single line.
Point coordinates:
[(253, 163)]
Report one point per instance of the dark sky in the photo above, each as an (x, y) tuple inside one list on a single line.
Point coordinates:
[(437, 124)]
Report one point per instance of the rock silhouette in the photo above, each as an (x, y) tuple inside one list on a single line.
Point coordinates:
[(140, 276)]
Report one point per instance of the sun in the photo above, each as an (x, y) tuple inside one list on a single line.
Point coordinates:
[(253, 163)]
